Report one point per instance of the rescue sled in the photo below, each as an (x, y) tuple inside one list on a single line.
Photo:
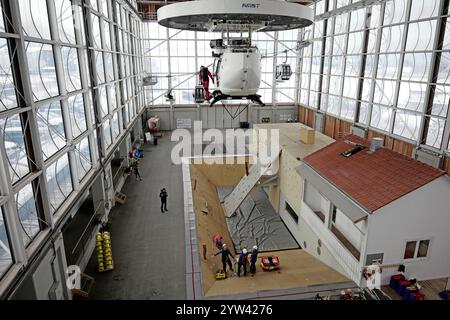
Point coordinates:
[(270, 263)]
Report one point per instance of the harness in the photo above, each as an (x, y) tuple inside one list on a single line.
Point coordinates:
[(205, 74)]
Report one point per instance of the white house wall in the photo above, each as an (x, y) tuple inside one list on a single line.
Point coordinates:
[(341, 256), (349, 229), (304, 235), (313, 198), (421, 215)]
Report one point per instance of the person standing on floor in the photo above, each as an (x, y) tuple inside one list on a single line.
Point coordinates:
[(135, 167), (226, 254), (253, 259), (163, 195), (242, 262)]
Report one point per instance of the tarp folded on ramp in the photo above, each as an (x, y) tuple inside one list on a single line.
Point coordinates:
[(256, 222)]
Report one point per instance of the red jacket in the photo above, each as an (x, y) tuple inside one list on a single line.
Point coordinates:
[(205, 75)]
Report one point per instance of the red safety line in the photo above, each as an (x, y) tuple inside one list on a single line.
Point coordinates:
[(192, 264)]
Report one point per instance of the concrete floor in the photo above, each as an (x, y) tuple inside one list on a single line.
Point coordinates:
[(147, 245)]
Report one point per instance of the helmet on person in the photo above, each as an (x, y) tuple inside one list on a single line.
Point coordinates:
[(244, 251), (255, 247), (224, 245)]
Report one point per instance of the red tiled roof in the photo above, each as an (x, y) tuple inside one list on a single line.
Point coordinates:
[(372, 180)]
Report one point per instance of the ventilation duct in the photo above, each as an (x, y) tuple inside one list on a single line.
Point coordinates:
[(377, 143)]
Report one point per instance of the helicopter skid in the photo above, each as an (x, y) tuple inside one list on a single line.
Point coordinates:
[(220, 96)]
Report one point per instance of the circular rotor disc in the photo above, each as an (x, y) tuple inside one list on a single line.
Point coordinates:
[(223, 15)]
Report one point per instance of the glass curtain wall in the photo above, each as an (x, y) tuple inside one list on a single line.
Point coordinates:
[(173, 58), (385, 67), (78, 55)]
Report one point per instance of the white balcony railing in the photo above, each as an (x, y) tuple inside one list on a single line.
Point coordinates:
[(345, 259)]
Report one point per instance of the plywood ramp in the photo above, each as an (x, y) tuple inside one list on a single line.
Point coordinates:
[(208, 225), (298, 270)]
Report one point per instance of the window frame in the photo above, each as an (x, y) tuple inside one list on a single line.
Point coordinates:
[(416, 249), (291, 212), (4, 274)]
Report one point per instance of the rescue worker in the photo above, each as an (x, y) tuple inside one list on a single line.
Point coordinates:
[(138, 153), (253, 259), (163, 195), (242, 262), (226, 254), (204, 76), (135, 168)]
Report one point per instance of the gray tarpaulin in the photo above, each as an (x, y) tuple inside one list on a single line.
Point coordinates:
[(256, 222)]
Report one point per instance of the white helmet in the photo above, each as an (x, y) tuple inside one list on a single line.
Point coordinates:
[(255, 247), (224, 245), (244, 251)]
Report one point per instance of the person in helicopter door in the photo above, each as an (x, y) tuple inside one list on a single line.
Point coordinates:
[(204, 76)]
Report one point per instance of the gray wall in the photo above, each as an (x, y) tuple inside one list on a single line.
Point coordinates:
[(48, 276), (218, 117)]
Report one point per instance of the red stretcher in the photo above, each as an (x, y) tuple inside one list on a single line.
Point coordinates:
[(270, 263)]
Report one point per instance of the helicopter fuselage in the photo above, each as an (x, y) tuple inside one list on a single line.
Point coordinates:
[(239, 72)]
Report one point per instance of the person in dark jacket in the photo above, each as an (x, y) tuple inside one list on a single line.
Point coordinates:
[(226, 254), (242, 262), (253, 259), (163, 195)]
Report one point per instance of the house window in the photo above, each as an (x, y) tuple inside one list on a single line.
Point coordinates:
[(333, 216), (292, 212), (416, 249), (410, 249), (422, 252)]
